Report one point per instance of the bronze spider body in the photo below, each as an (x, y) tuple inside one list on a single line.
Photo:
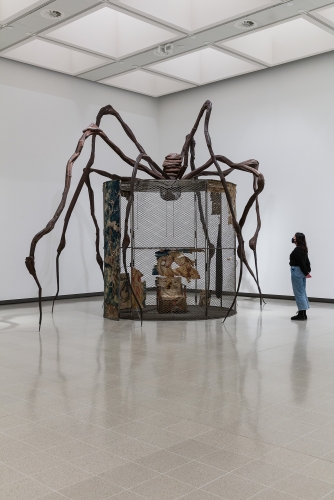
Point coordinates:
[(174, 167)]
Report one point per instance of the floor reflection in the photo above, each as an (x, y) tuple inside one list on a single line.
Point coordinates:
[(107, 407)]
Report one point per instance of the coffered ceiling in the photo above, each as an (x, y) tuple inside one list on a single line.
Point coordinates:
[(157, 47)]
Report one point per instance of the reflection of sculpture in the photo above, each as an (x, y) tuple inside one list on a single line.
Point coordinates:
[(175, 167)]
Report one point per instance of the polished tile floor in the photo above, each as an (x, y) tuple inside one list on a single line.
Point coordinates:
[(93, 409)]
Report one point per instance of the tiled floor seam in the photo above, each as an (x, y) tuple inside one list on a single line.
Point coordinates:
[(271, 488)]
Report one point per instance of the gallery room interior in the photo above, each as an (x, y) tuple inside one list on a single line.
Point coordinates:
[(166, 286)]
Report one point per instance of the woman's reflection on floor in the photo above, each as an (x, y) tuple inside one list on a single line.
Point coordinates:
[(301, 365)]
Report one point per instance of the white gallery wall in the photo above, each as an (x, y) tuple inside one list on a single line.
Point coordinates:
[(283, 117), (42, 115)]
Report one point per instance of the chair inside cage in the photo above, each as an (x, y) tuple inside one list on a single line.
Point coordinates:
[(182, 255)]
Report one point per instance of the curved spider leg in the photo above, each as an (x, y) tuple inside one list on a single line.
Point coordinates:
[(236, 225), (253, 241), (110, 176), (97, 229), (253, 245), (190, 136), (95, 131), (258, 187), (109, 110), (30, 260), (246, 166), (249, 166), (185, 161), (192, 155), (92, 209), (154, 172), (69, 211), (126, 237), (200, 209)]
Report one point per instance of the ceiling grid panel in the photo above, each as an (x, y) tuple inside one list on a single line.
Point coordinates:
[(156, 48)]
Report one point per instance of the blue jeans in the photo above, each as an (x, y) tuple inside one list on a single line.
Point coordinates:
[(298, 281)]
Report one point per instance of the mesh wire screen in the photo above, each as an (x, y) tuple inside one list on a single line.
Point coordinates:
[(183, 245)]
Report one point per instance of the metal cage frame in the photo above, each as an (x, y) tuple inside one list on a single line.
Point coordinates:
[(182, 220)]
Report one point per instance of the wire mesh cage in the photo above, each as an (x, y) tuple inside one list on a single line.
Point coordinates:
[(182, 254)]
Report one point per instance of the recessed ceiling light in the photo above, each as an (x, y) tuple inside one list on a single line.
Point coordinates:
[(194, 15), (110, 32), (52, 14), (9, 27), (283, 42), (164, 50), (246, 24), (203, 66)]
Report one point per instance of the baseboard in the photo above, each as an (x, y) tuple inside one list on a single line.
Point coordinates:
[(45, 299), (100, 294), (283, 297)]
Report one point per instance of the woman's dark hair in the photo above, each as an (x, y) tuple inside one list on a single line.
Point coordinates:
[(301, 241)]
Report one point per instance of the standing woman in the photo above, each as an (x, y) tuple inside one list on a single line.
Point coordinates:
[(300, 270)]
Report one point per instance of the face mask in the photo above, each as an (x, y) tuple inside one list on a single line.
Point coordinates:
[(292, 240)]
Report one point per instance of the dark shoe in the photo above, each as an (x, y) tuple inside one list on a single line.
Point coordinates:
[(299, 316), (305, 315)]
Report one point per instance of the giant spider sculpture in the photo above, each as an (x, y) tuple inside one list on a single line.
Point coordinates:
[(174, 168)]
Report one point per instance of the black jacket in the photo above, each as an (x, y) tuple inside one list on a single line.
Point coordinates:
[(300, 258)]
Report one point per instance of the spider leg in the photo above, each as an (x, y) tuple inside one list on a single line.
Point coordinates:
[(97, 229), (126, 237), (211, 246), (92, 209), (96, 131), (250, 166), (109, 110), (253, 240), (192, 155), (207, 107), (190, 136), (30, 260), (154, 171), (69, 211), (114, 177), (247, 166)]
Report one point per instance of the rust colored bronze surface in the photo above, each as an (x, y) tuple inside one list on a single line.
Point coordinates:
[(174, 167)]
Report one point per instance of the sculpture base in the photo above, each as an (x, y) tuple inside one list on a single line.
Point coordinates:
[(150, 313)]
